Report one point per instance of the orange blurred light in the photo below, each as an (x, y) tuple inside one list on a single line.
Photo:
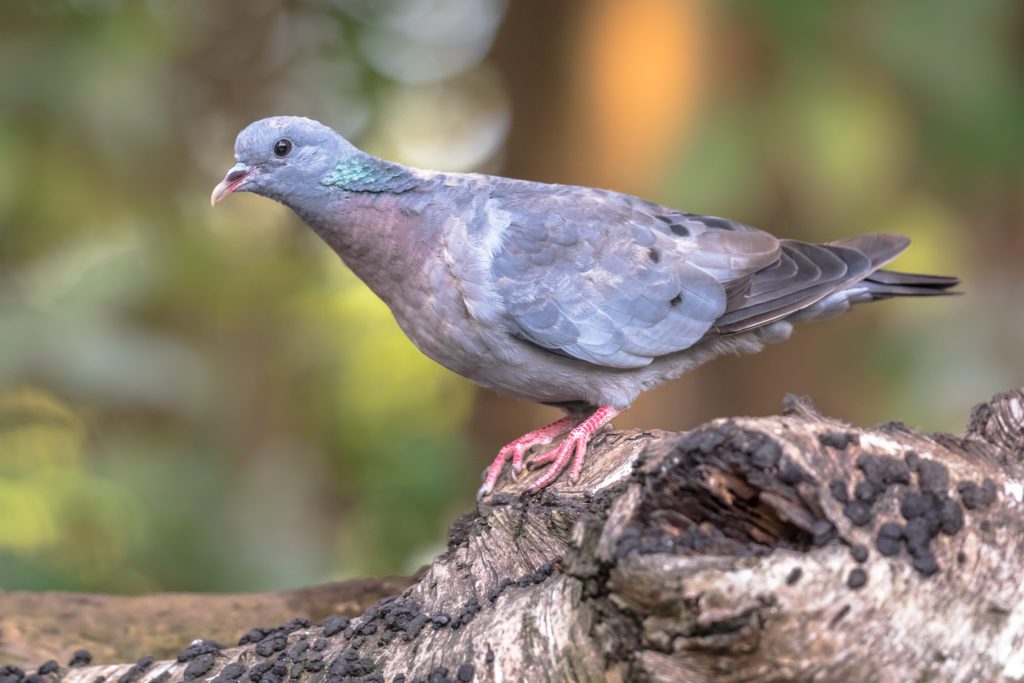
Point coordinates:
[(638, 64)]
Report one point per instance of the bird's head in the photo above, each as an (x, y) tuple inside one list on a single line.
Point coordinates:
[(283, 158)]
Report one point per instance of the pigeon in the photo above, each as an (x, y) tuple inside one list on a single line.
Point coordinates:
[(574, 297)]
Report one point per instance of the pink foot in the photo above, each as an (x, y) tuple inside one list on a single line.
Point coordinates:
[(518, 448), (574, 447)]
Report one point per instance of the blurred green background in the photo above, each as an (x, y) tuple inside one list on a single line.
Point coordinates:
[(197, 399)]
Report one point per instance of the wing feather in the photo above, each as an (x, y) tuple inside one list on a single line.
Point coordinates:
[(806, 273)]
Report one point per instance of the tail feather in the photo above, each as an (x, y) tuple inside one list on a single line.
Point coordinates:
[(935, 284)]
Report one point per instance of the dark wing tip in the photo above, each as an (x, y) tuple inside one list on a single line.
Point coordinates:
[(880, 247)]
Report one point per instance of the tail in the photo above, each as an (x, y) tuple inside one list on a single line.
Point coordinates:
[(883, 284)]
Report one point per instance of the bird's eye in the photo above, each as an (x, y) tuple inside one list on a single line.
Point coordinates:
[(282, 147)]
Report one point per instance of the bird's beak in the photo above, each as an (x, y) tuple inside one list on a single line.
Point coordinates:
[(235, 178)]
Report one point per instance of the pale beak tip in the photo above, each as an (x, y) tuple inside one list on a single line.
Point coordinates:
[(234, 180), (219, 193)]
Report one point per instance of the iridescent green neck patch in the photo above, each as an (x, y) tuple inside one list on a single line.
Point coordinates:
[(364, 173)]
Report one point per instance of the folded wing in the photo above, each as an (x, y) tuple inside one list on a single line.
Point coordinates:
[(612, 280)]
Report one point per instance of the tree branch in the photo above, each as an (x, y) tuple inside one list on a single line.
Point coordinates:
[(793, 547)]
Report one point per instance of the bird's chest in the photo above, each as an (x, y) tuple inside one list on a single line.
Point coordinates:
[(414, 261), (432, 313)]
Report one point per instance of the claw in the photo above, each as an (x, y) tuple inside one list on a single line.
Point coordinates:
[(573, 448), (541, 458), (518, 448), (573, 445), (517, 459)]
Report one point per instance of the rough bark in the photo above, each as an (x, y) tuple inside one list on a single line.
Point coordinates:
[(793, 547)]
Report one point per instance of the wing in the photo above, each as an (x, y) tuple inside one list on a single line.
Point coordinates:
[(611, 279)]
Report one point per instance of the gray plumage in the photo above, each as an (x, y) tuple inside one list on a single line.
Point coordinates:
[(564, 295)]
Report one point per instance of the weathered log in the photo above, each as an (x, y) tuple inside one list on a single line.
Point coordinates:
[(793, 547)]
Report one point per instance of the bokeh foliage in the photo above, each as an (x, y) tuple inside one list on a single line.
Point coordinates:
[(207, 400)]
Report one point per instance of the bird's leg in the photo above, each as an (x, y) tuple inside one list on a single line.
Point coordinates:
[(517, 449), (539, 437), (538, 459), (574, 446)]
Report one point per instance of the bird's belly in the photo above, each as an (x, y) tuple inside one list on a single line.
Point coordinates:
[(489, 358), (441, 328), (435, 317)]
